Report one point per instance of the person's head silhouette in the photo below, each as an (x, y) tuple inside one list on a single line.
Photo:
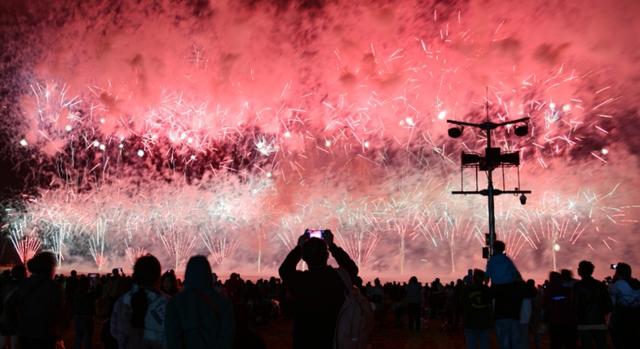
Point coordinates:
[(623, 271), (498, 247), (478, 276), (146, 271), (19, 272), (585, 269), (146, 274), (198, 274), (43, 264), (315, 253)]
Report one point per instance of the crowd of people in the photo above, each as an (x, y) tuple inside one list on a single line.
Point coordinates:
[(330, 307)]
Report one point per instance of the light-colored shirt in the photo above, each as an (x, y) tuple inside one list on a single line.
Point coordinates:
[(152, 336), (525, 311)]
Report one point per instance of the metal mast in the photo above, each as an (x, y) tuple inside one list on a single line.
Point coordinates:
[(492, 159)]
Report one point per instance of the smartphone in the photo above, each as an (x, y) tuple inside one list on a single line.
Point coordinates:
[(315, 233), (613, 266)]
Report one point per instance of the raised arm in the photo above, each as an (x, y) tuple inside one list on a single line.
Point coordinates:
[(288, 267), (344, 261)]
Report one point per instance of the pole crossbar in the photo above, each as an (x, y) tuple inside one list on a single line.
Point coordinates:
[(490, 192), (485, 192)]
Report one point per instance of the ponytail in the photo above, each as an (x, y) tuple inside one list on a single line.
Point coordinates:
[(139, 305), (146, 273)]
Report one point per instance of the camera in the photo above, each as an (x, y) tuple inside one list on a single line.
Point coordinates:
[(315, 233)]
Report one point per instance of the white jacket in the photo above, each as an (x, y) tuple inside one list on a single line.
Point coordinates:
[(153, 334)]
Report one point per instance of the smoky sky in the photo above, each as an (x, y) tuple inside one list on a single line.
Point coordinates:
[(348, 95)]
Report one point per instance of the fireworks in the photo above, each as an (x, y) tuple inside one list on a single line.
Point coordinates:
[(133, 253), (402, 217), (23, 238), (220, 242), (230, 141), (97, 243), (179, 247), (444, 231), (358, 231)]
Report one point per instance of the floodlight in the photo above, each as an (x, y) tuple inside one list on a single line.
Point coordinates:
[(521, 130), (510, 158), (523, 199), (455, 132), (470, 158)]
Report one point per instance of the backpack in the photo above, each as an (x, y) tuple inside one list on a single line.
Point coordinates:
[(355, 319), (631, 301)]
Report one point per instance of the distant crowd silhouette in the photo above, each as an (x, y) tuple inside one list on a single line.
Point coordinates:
[(330, 307)]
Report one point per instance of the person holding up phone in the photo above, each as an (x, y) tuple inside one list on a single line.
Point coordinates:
[(318, 293)]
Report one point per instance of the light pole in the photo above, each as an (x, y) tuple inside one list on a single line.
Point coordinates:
[(492, 159), (555, 247)]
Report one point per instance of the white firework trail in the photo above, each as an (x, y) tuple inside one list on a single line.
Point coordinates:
[(24, 239), (220, 242), (97, 243)]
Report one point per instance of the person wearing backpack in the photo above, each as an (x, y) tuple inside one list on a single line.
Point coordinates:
[(592, 304), (137, 321), (506, 290), (198, 316), (559, 313), (625, 318), (477, 312), (319, 292)]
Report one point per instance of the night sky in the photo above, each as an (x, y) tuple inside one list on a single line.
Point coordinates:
[(228, 127)]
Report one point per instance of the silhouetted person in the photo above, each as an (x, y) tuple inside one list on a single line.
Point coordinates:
[(457, 303), (500, 268), (318, 293), (625, 318), (244, 337), (83, 304), (40, 305), (8, 326), (559, 313), (376, 295), (436, 298), (137, 320), (169, 283), (414, 303), (198, 316), (506, 288), (71, 283), (526, 311), (113, 287), (468, 279), (476, 305), (592, 304)]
